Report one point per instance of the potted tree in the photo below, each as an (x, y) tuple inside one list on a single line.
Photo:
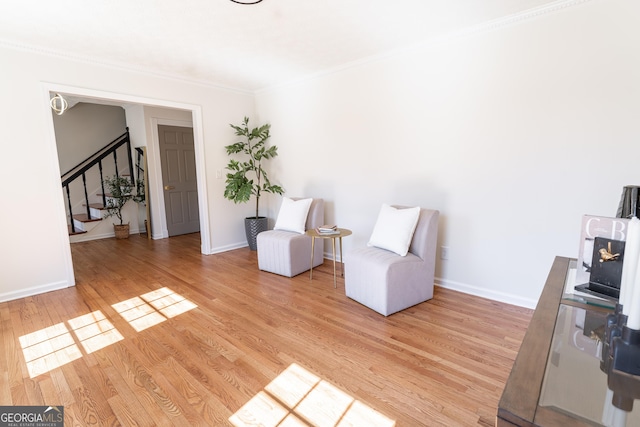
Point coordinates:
[(247, 177), (119, 193)]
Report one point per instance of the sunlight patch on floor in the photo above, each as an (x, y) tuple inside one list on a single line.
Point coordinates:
[(48, 348), (138, 313), (168, 302), (324, 405), (261, 410), (153, 308), (94, 331), (55, 346), (297, 397), (292, 385)]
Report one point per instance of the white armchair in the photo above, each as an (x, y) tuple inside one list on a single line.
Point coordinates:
[(288, 253), (387, 282)]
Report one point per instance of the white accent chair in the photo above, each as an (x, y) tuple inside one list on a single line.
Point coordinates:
[(288, 253), (387, 282)]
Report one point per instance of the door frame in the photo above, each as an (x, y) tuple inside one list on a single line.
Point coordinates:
[(198, 137)]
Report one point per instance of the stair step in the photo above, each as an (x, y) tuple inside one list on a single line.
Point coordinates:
[(107, 195), (73, 233), (97, 206), (85, 218)]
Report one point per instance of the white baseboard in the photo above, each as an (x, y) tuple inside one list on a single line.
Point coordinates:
[(220, 249), (447, 284), (23, 293), (86, 237), (485, 293), (473, 290)]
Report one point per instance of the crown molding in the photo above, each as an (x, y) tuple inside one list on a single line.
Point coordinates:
[(120, 66), (468, 32), (489, 26)]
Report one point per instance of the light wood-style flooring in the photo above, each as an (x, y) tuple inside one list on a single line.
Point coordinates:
[(155, 333)]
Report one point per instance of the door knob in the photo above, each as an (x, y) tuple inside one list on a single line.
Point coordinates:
[(169, 187)]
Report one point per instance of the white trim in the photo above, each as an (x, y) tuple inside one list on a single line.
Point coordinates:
[(156, 170), (70, 56), (196, 112), (134, 231), (226, 248), (471, 31), (201, 178), (484, 293), (466, 32), (60, 211), (154, 163), (36, 290)]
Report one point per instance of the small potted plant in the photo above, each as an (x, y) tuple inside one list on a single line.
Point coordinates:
[(119, 193), (247, 177)]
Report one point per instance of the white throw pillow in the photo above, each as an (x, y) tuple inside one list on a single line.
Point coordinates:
[(293, 215), (394, 229)]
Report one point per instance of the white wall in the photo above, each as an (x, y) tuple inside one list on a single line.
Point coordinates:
[(35, 251), (84, 129), (513, 134)]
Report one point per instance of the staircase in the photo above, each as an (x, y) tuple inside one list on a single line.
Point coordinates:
[(86, 206), (82, 222)]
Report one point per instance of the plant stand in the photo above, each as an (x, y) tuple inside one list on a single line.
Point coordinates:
[(253, 226)]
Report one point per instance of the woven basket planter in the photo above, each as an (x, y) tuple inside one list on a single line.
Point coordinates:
[(122, 231)]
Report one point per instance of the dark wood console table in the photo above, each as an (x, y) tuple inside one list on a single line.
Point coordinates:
[(556, 379)]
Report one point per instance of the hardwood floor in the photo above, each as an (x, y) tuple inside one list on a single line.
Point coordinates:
[(155, 333)]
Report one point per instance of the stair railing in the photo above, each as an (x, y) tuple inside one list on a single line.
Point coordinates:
[(80, 170)]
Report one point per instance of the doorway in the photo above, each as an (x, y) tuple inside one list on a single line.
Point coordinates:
[(127, 100)]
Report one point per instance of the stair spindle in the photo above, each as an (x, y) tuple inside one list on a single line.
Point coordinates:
[(73, 226), (86, 195)]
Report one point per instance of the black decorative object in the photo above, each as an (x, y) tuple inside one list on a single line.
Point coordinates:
[(606, 269), (612, 328), (254, 226), (629, 202), (606, 266), (621, 360)]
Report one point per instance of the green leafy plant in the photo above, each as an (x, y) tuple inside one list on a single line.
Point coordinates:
[(119, 193), (247, 177)]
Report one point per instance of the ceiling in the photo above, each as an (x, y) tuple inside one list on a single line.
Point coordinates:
[(246, 47)]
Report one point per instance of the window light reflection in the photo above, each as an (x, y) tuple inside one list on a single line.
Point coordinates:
[(168, 302), (324, 405), (94, 331), (55, 346), (292, 385), (48, 348), (297, 397), (138, 313), (261, 410)]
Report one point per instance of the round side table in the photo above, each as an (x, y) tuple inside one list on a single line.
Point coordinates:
[(339, 234)]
